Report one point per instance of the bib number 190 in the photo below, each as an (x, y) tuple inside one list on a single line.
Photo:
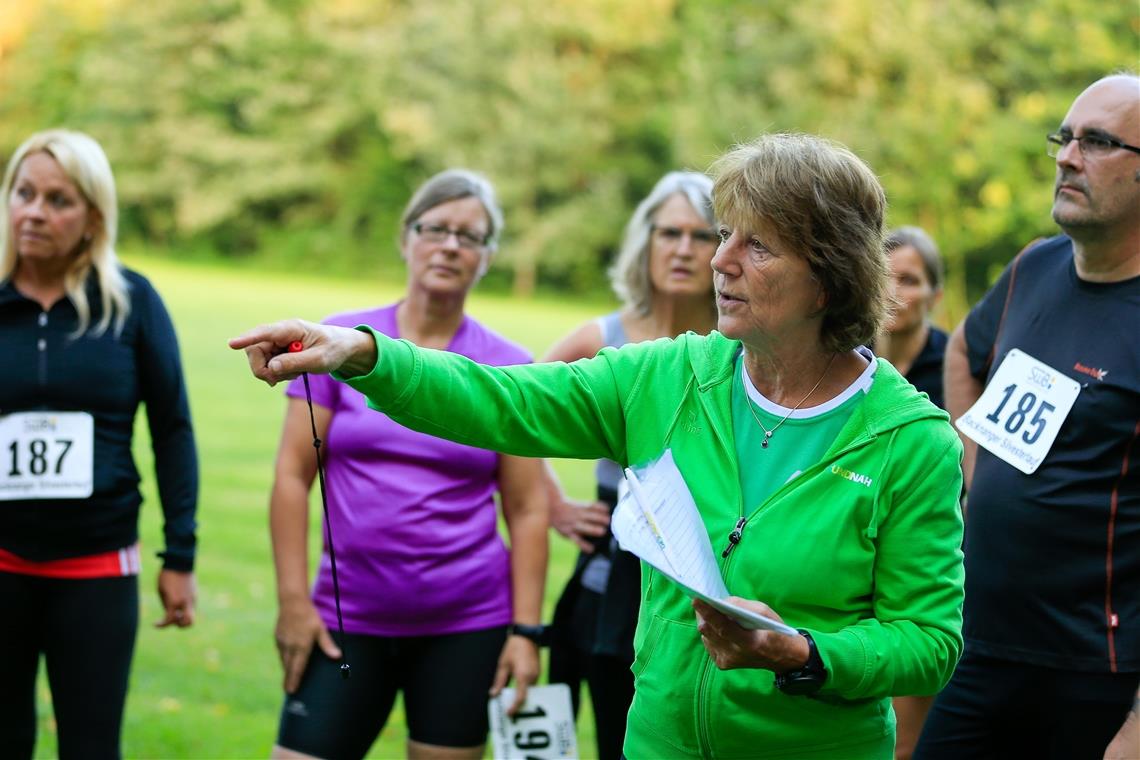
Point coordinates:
[(1026, 403), (543, 729)]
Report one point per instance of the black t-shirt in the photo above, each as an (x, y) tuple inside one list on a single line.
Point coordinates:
[(1053, 558), (925, 373)]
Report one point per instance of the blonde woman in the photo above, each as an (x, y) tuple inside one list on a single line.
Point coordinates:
[(85, 342)]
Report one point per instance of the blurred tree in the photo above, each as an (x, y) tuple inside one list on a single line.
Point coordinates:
[(294, 130)]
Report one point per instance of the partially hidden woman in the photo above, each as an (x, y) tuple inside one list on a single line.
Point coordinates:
[(85, 342), (915, 347), (909, 341), (827, 485), (430, 594), (664, 278)]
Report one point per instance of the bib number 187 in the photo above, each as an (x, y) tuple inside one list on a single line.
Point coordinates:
[(39, 456), (46, 455)]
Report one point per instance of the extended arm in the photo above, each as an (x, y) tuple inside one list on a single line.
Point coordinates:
[(571, 411)]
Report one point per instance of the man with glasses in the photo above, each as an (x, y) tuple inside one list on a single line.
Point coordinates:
[(1044, 373)]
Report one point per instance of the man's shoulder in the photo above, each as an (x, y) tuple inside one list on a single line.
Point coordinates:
[(1045, 251)]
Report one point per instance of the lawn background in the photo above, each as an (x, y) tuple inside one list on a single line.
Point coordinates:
[(213, 691)]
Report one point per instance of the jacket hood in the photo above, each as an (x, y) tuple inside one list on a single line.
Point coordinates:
[(891, 402)]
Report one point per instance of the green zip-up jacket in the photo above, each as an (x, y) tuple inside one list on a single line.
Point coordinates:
[(862, 549)]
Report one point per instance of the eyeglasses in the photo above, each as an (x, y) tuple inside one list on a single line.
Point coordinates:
[(1092, 146), (437, 233), (673, 235)]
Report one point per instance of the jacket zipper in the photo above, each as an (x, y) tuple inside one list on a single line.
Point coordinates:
[(734, 537), (41, 346)]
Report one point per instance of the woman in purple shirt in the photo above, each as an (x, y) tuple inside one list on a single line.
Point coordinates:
[(434, 604)]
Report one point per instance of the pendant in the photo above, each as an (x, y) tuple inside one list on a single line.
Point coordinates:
[(764, 443)]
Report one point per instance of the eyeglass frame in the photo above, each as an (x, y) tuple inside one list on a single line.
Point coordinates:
[(438, 233), (1056, 142), (695, 235)]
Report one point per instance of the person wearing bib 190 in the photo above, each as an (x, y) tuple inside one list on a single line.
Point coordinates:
[(435, 607), (85, 342), (1051, 353), (827, 485)]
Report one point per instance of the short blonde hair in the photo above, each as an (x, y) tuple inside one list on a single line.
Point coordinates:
[(86, 165), (629, 276), (827, 206)]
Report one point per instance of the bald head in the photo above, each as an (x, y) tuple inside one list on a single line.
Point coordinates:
[(1097, 193)]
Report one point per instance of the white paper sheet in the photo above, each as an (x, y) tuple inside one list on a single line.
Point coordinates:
[(679, 547)]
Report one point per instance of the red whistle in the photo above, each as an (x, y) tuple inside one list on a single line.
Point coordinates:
[(296, 347)]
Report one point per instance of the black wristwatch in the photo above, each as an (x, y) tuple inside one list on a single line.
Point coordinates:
[(807, 680), (536, 633)]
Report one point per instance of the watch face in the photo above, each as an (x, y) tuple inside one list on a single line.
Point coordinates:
[(800, 683)]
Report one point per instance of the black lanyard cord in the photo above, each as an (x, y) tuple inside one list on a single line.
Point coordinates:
[(345, 670)]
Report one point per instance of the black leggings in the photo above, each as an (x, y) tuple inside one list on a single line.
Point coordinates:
[(611, 693), (1000, 709), (85, 629), (444, 679)]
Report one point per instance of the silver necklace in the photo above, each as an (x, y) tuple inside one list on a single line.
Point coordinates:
[(769, 433)]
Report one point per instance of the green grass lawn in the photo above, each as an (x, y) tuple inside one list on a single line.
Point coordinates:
[(213, 691)]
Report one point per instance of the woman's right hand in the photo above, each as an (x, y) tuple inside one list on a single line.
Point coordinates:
[(324, 349), (298, 627), (580, 521)]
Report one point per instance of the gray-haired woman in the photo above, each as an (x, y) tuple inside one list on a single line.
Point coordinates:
[(433, 601), (663, 275)]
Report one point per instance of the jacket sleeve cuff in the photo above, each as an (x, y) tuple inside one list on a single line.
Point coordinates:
[(848, 660), (392, 380), (177, 561)]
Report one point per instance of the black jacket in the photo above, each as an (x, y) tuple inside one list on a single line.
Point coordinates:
[(43, 368)]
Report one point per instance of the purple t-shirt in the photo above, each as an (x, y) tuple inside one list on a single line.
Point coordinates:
[(414, 523)]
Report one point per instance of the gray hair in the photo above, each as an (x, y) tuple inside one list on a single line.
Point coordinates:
[(921, 242), (85, 164), (453, 185), (629, 275)]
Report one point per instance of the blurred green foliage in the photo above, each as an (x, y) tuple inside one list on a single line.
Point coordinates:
[(294, 130)]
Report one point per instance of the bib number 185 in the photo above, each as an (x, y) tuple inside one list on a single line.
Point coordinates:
[(1021, 411), (1026, 403)]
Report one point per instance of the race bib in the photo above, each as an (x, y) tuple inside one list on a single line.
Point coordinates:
[(1021, 411), (542, 730), (46, 455)]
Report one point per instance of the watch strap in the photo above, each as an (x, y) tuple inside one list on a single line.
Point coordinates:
[(808, 679), (536, 633)]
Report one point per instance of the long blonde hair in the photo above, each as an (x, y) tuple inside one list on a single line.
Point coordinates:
[(86, 165)]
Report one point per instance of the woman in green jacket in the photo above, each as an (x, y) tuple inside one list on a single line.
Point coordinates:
[(827, 485)]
